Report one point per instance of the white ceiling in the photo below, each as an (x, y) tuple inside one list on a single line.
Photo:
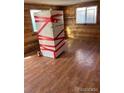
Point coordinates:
[(57, 2)]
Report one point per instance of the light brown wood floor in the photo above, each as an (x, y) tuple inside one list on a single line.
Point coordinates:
[(75, 71)]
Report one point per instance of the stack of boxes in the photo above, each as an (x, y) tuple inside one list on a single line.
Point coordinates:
[(51, 37)]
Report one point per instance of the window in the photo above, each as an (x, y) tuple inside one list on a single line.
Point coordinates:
[(86, 15), (35, 26)]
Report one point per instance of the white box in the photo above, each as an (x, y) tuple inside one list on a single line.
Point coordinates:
[(50, 32)]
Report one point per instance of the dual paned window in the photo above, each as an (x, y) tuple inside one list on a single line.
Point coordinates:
[(35, 26), (86, 15)]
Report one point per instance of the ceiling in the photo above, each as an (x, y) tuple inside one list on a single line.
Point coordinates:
[(57, 2)]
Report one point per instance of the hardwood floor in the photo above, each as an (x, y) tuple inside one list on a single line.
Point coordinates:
[(77, 70)]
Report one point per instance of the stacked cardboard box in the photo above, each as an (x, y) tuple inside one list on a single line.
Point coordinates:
[(51, 37)]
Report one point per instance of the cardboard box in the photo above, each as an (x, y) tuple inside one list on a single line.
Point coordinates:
[(50, 32)]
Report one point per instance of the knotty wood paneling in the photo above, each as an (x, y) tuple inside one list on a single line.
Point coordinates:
[(30, 38), (72, 29), (80, 31)]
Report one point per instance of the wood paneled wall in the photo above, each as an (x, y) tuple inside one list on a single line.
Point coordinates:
[(80, 31), (30, 38), (72, 29)]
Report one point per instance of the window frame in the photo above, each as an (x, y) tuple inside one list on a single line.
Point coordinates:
[(86, 15), (32, 20)]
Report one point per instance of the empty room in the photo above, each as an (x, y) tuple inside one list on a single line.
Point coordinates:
[(62, 46)]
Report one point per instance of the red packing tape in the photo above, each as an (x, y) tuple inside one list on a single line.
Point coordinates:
[(40, 37), (47, 20)]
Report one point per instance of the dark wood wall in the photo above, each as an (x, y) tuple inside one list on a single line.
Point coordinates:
[(30, 38), (72, 30), (76, 31)]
